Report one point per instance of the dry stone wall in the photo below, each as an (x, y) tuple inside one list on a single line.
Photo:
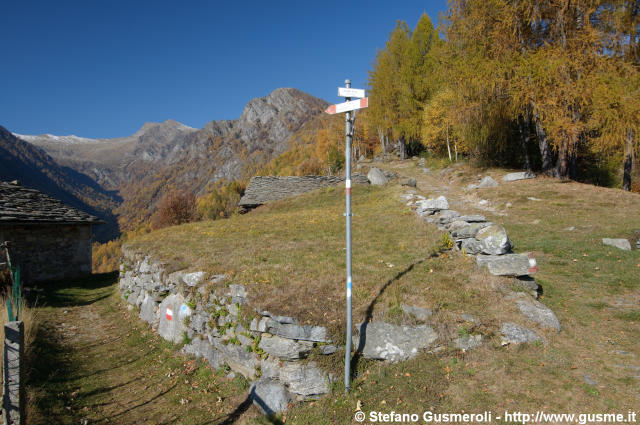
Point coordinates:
[(217, 323)]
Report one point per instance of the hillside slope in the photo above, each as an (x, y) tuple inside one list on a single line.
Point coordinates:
[(169, 155), (31, 166), (289, 255)]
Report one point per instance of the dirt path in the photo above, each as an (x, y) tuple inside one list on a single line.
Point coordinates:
[(96, 363)]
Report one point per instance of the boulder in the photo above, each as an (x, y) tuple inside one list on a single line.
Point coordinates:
[(440, 203), (617, 243), (202, 348), (515, 334), (494, 240), (422, 314), (508, 265), (171, 314), (284, 348), (269, 396), (468, 342), (376, 176), (487, 181), (537, 312), (306, 380), (511, 177), (384, 341), (411, 182)]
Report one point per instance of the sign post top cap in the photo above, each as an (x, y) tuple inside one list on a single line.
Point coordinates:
[(347, 81)]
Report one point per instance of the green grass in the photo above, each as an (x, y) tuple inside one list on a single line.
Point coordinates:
[(93, 359)]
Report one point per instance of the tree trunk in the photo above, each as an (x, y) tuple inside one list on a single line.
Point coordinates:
[(448, 146), (524, 126), (402, 146), (543, 143), (562, 165), (381, 137), (628, 161)]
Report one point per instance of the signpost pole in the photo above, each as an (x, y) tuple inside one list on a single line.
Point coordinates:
[(347, 157)]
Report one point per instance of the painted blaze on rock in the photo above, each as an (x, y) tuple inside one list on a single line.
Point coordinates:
[(172, 312)]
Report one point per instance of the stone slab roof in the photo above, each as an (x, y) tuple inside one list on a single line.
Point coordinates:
[(21, 205), (262, 189)]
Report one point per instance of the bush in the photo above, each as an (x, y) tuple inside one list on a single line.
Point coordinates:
[(222, 201), (175, 208)]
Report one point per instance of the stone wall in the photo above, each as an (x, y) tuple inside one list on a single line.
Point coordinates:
[(262, 189), (216, 321), (49, 251)]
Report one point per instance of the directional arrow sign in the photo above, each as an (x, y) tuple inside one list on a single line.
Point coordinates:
[(348, 106), (349, 92)]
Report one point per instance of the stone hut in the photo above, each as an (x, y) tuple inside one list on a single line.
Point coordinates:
[(49, 240), (263, 189)]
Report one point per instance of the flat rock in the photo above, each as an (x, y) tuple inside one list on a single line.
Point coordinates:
[(292, 331), (617, 243), (463, 230), (384, 341), (284, 348), (419, 313), (494, 239), (328, 349), (377, 177), (515, 334), (306, 380), (508, 264), (475, 218), (202, 348), (148, 310), (237, 357), (468, 342), (471, 246), (447, 216), (523, 175), (171, 314), (437, 204), (270, 396), (529, 284), (194, 278), (538, 312)]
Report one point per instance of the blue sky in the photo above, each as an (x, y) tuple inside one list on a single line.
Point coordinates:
[(104, 68)]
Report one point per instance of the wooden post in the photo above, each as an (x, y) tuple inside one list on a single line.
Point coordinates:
[(13, 395)]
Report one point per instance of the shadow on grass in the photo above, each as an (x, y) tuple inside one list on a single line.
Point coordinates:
[(76, 292), (369, 315)]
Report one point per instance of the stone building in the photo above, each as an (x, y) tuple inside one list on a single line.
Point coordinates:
[(49, 240), (263, 189)]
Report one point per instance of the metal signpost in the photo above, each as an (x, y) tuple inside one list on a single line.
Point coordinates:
[(347, 107)]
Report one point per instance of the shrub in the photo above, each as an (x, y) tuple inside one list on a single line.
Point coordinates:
[(175, 208)]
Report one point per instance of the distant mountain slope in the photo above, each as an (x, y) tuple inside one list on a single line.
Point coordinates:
[(163, 156), (30, 165)]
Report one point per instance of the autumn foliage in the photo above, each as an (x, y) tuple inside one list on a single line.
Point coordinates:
[(175, 207)]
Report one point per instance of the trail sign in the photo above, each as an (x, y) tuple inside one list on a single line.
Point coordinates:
[(348, 106), (349, 92)]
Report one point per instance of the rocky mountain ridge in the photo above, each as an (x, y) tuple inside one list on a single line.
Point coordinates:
[(170, 155)]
